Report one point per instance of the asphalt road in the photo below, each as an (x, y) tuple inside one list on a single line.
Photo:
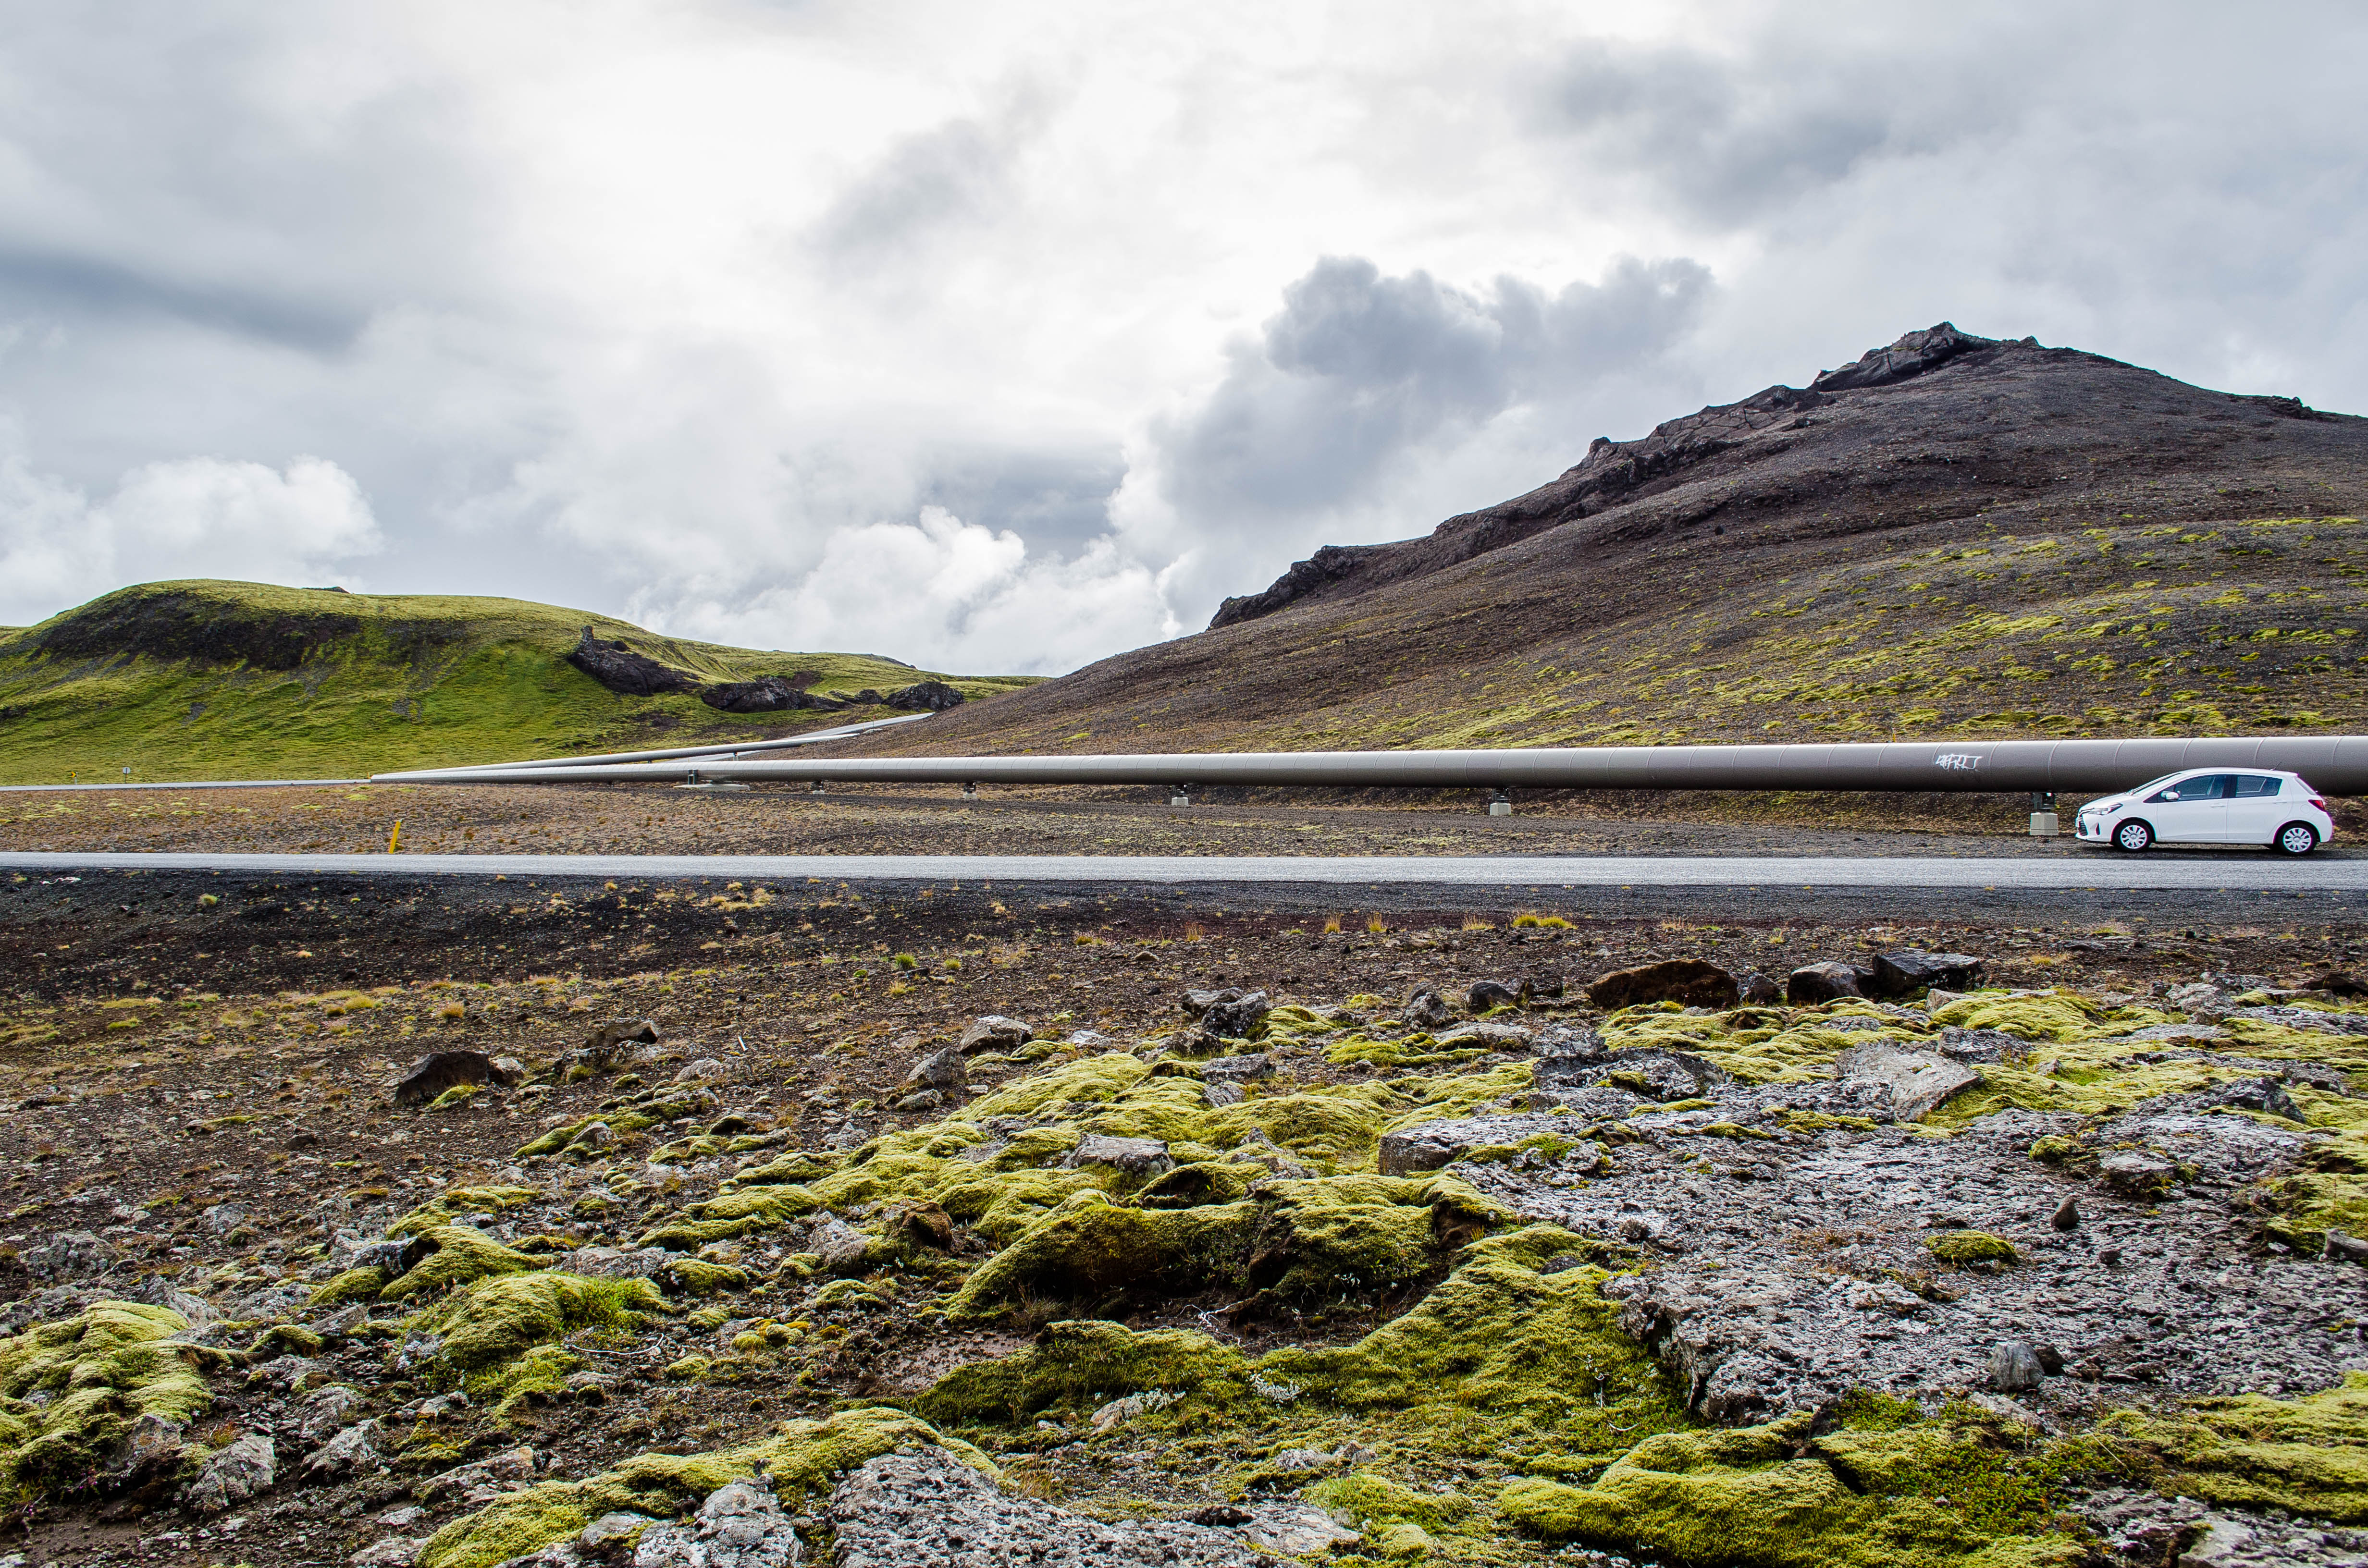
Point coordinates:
[(2099, 871)]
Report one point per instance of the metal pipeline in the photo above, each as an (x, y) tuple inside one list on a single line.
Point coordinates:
[(2334, 764)]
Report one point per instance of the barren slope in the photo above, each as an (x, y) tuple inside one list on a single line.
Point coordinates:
[(1953, 535)]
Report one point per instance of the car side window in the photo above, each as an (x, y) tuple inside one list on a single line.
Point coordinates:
[(2253, 786), (2211, 787)]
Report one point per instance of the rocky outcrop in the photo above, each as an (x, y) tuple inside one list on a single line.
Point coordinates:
[(626, 673), (1612, 472), (923, 697)]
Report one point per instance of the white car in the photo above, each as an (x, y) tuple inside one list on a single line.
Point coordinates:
[(2211, 805)]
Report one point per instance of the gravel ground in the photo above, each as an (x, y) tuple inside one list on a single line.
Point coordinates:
[(197, 1111), (642, 819)]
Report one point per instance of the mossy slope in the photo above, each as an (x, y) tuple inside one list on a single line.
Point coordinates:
[(212, 680)]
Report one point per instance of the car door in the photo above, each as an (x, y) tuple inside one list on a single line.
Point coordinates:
[(2254, 807), (2190, 811)]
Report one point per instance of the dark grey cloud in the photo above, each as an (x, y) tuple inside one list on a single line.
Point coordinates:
[(946, 176), (1360, 371), (1733, 138), (1057, 501)]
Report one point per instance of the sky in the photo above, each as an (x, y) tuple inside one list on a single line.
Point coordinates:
[(1005, 338)]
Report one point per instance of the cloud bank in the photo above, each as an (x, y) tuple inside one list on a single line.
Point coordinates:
[(1007, 337)]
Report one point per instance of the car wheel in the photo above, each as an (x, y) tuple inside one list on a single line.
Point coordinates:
[(2296, 839), (2133, 836)]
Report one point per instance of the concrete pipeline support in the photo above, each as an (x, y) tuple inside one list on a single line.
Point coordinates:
[(2336, 765)]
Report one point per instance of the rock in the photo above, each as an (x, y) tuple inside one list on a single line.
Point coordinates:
[(149, 1449), (2138, 1173), (1218, 1096), (441, 1070), (222, 1219), (706, 1069), (394, 1551), (592, 1135), (1238, 1069), (923, 697), (353, 1450), (2349, 1248), (739, 1525), (1908, 972), (613, 1043), (1813, 983), (2224, 1543), (1645, 1071), (926, 1508), (69, 1255), (1570, 1043), (2265, 1094), (1919, 1081), (624, 672), (766, 694), (939, 1070), (1911, 355), (484, 1476), (1435, 1143), (1426, 1010), (1961, 1044), (2015, 1366), (244, 1469), (328, 1411), (2066, 1216), (1541, 985), (1197, 1000), (919, 1224), (1487, 994), (841, 1248), (611, 1531), (1296, 1529), (1135, 1156), (923, 1099), (1488, 1035), (1757, 990), (994, 1032), (507, 1071), (1242, 1017), (1692, 982)]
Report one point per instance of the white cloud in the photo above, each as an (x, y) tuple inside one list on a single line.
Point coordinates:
[(669, 304), (189, 517), (947, 594)]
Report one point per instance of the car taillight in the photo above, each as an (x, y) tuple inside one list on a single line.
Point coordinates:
[(2318, 804)]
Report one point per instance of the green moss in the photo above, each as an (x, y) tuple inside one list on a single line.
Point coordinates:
[(1090, 1250), (2309, 1455), (535, 1378), (285, 1339), (353, 1285), (459, 1202), (697, 1277), (1772, 1497), (97, 1373), (462, 1256), (804, 1458), (1973, 1249), (2304, 1207), (498, 1319)]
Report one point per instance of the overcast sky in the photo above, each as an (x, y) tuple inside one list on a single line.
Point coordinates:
[(1000, 338)]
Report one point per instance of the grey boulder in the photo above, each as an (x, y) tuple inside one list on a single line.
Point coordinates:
[(1918, 1082)]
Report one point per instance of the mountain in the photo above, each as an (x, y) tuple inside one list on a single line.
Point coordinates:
[(1952, 535), (214, 680)]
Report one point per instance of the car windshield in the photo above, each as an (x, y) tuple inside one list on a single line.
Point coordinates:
[(2154, 783)]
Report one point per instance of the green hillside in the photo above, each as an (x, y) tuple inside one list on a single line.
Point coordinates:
[(229, 680)]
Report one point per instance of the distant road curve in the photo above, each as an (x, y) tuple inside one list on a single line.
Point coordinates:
[(2099, 871)]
